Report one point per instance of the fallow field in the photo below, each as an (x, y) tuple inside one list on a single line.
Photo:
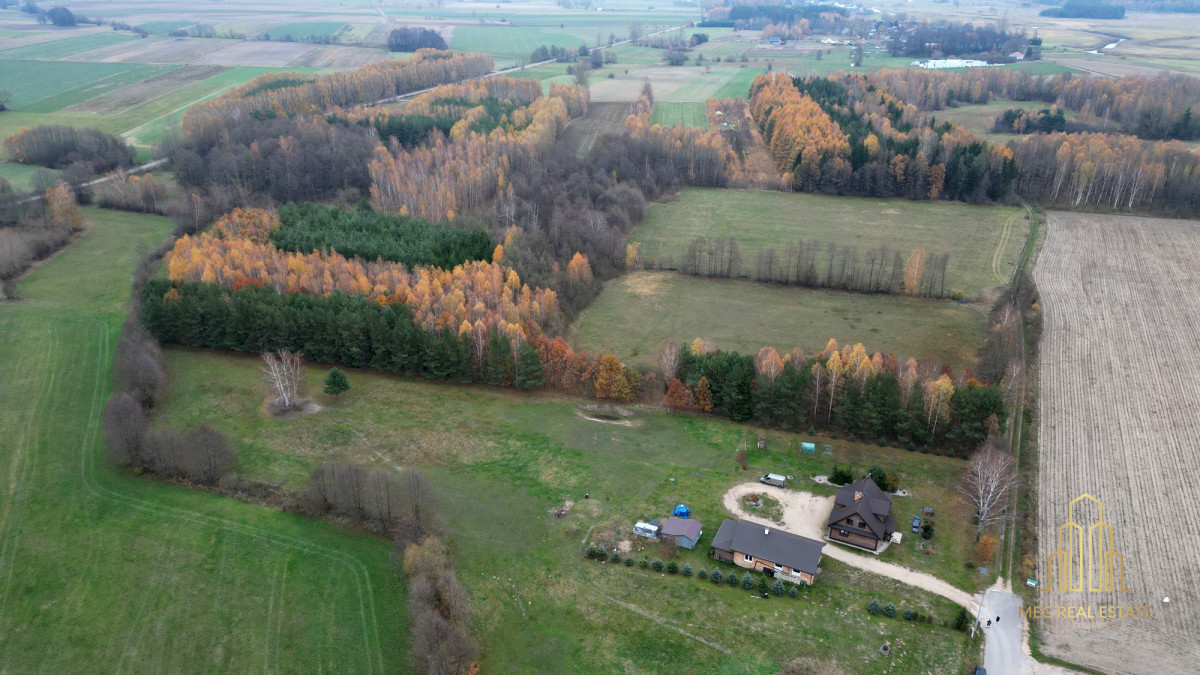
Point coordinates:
[(1119, 391), (638, 311), (984, 242)]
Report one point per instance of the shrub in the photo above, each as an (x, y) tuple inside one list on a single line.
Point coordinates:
[(761, 586), (911, 446), (909, 615), (962, 619), (685, 571), (970, 565), (834, 436), (812, 431), (590, 551), (672, 567), (629, 562), (657, 565), (925, 449), (882, 442), (889, 610), (716, 577), (701, 574), (873, 606), (793, 592), (852, 438), (927, 531), (336, 382), (747, 581), (777, 587), (644, 563), (732, 579), (879, 476), (615, 557), (840, 476)]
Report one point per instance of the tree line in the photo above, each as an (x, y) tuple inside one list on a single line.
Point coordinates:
[(1085, 9), (1157, 108), (33, 237), (966, 40), (812, 265), (874, 397)]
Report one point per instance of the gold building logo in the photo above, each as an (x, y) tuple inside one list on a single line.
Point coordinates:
[(1096, 566)]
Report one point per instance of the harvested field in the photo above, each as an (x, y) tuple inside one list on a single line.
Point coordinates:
[(675, 113), (1120, 386), (627, 87), (254, 53), (66, 46), (134, 95), (1110, 67), (601, 118), (160, 50), (46, 86), (726, 82), (340, 57), (304, 30)]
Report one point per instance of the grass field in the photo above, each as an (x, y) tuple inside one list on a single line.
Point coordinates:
[(300, 31), (164, 27), (983, 241), (721, 82), (513, 42), (105, 571), (32, 82), (18, 176), (637, 312), (499, 461), (601, 118), (688, 114), (57, 49)]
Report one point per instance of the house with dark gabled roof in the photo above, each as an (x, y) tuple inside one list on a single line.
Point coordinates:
[(862, 515), (773, 552)]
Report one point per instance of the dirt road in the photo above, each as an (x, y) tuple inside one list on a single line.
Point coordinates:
[(805, 513)]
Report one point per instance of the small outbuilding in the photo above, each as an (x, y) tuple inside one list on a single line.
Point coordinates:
[(646, 530), (808, 448), (685, 531)]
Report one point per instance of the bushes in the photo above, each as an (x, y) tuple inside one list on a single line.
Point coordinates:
[(962, 619), (370, 235), (336, 382), (793, 592), (686, 571), (747, 581), (202, 456), (777, 588), (702, 574), (657, 565), (372, 496), (629, 562), (873, 607), (672, 567), (841, 476), (644, 563), (889, 610), (59, 146), (716, 576), (438, 610), (411, 39), (909, 615)]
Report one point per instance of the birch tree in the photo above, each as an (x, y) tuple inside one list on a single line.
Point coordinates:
[(989, 483), (284, 375), (668, 359)]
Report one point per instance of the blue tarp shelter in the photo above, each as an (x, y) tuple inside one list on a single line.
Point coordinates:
[(808, 448), (682, 511)]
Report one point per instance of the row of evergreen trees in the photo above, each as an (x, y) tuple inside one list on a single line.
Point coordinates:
[(348, 330), (871, 411)]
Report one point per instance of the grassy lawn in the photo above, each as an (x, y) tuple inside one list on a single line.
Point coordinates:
[(721, 82), (90, 90), (19, 176), (688, 114), (983, 241), (500, 461), (57, 49), (105, 571), (637, 312)]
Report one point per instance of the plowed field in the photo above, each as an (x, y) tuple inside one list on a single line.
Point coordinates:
[(1120, 393)]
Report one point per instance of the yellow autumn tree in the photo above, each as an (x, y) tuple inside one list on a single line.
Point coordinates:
[(937, 402), (61, 208), (768, 363), (914, 269), (703, 395)]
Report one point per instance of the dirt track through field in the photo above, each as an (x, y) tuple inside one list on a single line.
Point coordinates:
[(1119, 395)]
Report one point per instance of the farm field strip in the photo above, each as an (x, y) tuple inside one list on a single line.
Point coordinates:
[(153, 87), (601, 118), (516, 42), (703, 87), (1119, 389), (673, 113), (65, 47), (33, 82)]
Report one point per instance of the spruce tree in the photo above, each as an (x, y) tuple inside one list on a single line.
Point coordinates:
[(336, 382)]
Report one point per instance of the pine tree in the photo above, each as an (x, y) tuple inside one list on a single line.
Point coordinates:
[(529, 368), (336, 382)]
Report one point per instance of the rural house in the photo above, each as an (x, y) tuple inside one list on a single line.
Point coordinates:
[(685, 531), (861, 515), (773, 552)]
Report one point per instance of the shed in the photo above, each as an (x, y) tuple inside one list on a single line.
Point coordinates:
[(685, 531), (646, 530)]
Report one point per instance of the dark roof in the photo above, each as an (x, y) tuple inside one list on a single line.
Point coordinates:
[(682, 527), (724, 538), (873, 506), (777, 546)]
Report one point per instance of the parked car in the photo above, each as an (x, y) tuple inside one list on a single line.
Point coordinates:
[(916, 523), (773, 479)]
